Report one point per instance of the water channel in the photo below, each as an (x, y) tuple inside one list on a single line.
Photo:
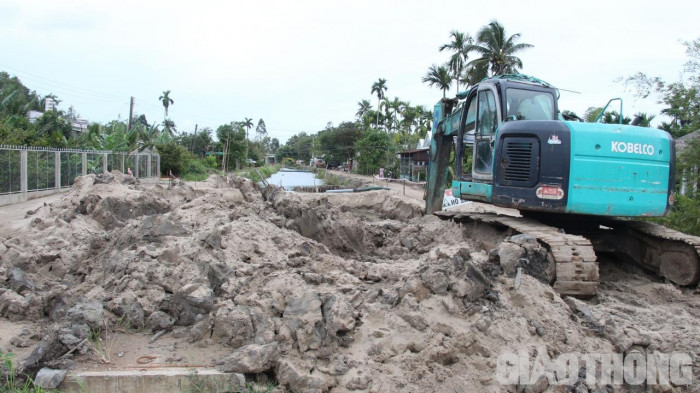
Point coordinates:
[(289, 178)]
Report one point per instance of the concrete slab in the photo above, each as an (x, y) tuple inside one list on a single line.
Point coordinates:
[(153, 380)]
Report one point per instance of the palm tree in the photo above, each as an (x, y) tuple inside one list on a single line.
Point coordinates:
[(426, 118), (169, 127), (642, 119), (379, 87), (148, 137), (248, 124), (387, 119), (364, 108), (166, 100), (438, 76), (409, 116), (396, 105), (459, 44), (497, 51), (472, 75)]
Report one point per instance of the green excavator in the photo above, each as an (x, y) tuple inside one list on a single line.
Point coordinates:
[(579, 186)]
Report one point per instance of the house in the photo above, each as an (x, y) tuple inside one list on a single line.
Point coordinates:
[(49, 104), (79, 125), (34, 115), (413, 164)]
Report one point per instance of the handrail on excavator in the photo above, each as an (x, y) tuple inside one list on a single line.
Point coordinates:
[(600, 115)]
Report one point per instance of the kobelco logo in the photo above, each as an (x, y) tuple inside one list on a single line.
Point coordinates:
[(632, 148)]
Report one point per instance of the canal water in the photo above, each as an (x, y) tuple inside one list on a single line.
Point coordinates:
[(290, 179)]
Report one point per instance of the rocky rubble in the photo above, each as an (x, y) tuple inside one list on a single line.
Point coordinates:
[(353, 292)]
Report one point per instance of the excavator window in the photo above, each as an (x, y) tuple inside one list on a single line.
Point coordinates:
[(529, 105), (488, 116), (487, 121)]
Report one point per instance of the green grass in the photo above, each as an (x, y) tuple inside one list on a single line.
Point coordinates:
[(9, 382), (684, 216), (266, 171), (195, 176), (260, 387), (330, 179)]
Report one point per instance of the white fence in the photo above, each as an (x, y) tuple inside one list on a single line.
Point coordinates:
[(32, 172)]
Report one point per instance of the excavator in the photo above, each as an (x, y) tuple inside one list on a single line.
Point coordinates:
[(580, 187)]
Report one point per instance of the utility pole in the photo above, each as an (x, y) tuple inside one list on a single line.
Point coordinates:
[(246, 146), (195, 137), (131, 114)]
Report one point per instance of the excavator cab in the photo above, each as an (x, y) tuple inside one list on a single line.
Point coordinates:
[(511, 149)]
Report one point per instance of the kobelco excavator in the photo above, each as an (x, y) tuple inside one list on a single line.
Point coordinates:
[(578, 185)]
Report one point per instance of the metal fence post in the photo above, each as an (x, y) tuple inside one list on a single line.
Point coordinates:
[(148, 166), (57, 169), (84, 156), (158, 165), (104, 163), (23, 174), (123, 162)]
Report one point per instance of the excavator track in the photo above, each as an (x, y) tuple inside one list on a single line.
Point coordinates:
[(576, 267), (574, 242), (670, 254)]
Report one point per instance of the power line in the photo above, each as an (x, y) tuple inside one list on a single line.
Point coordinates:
[(76, 89)]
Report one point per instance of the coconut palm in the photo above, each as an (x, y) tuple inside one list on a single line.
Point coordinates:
[(472, 75), (364, 108), (379, 87), (459, 44), (166, 101), (438, 76), (497, 51)]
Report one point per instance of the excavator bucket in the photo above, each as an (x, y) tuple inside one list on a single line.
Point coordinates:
[(440, 148)]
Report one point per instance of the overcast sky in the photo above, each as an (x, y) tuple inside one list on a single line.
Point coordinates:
[(301, 64)]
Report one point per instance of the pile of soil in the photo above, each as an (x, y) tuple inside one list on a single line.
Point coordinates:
[(334, 292)]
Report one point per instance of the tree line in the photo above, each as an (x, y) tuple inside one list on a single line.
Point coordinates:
[(374, 134), (192, 154)]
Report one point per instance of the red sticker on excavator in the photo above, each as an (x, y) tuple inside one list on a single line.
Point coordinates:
[(549, 192)]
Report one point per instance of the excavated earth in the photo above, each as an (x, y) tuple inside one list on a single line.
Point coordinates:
[(318, 292)]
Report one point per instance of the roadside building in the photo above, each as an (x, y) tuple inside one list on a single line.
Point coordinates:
[(413, 164)]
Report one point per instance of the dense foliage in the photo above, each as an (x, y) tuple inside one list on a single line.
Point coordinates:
[(681, 102), (191, 155)]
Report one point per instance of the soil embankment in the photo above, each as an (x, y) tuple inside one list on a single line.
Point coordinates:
[(320, 292)]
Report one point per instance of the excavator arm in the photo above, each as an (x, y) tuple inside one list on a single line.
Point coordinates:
[(440, 147), (444, 128)]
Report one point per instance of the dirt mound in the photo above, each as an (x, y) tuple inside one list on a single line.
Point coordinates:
[(335, 292)]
